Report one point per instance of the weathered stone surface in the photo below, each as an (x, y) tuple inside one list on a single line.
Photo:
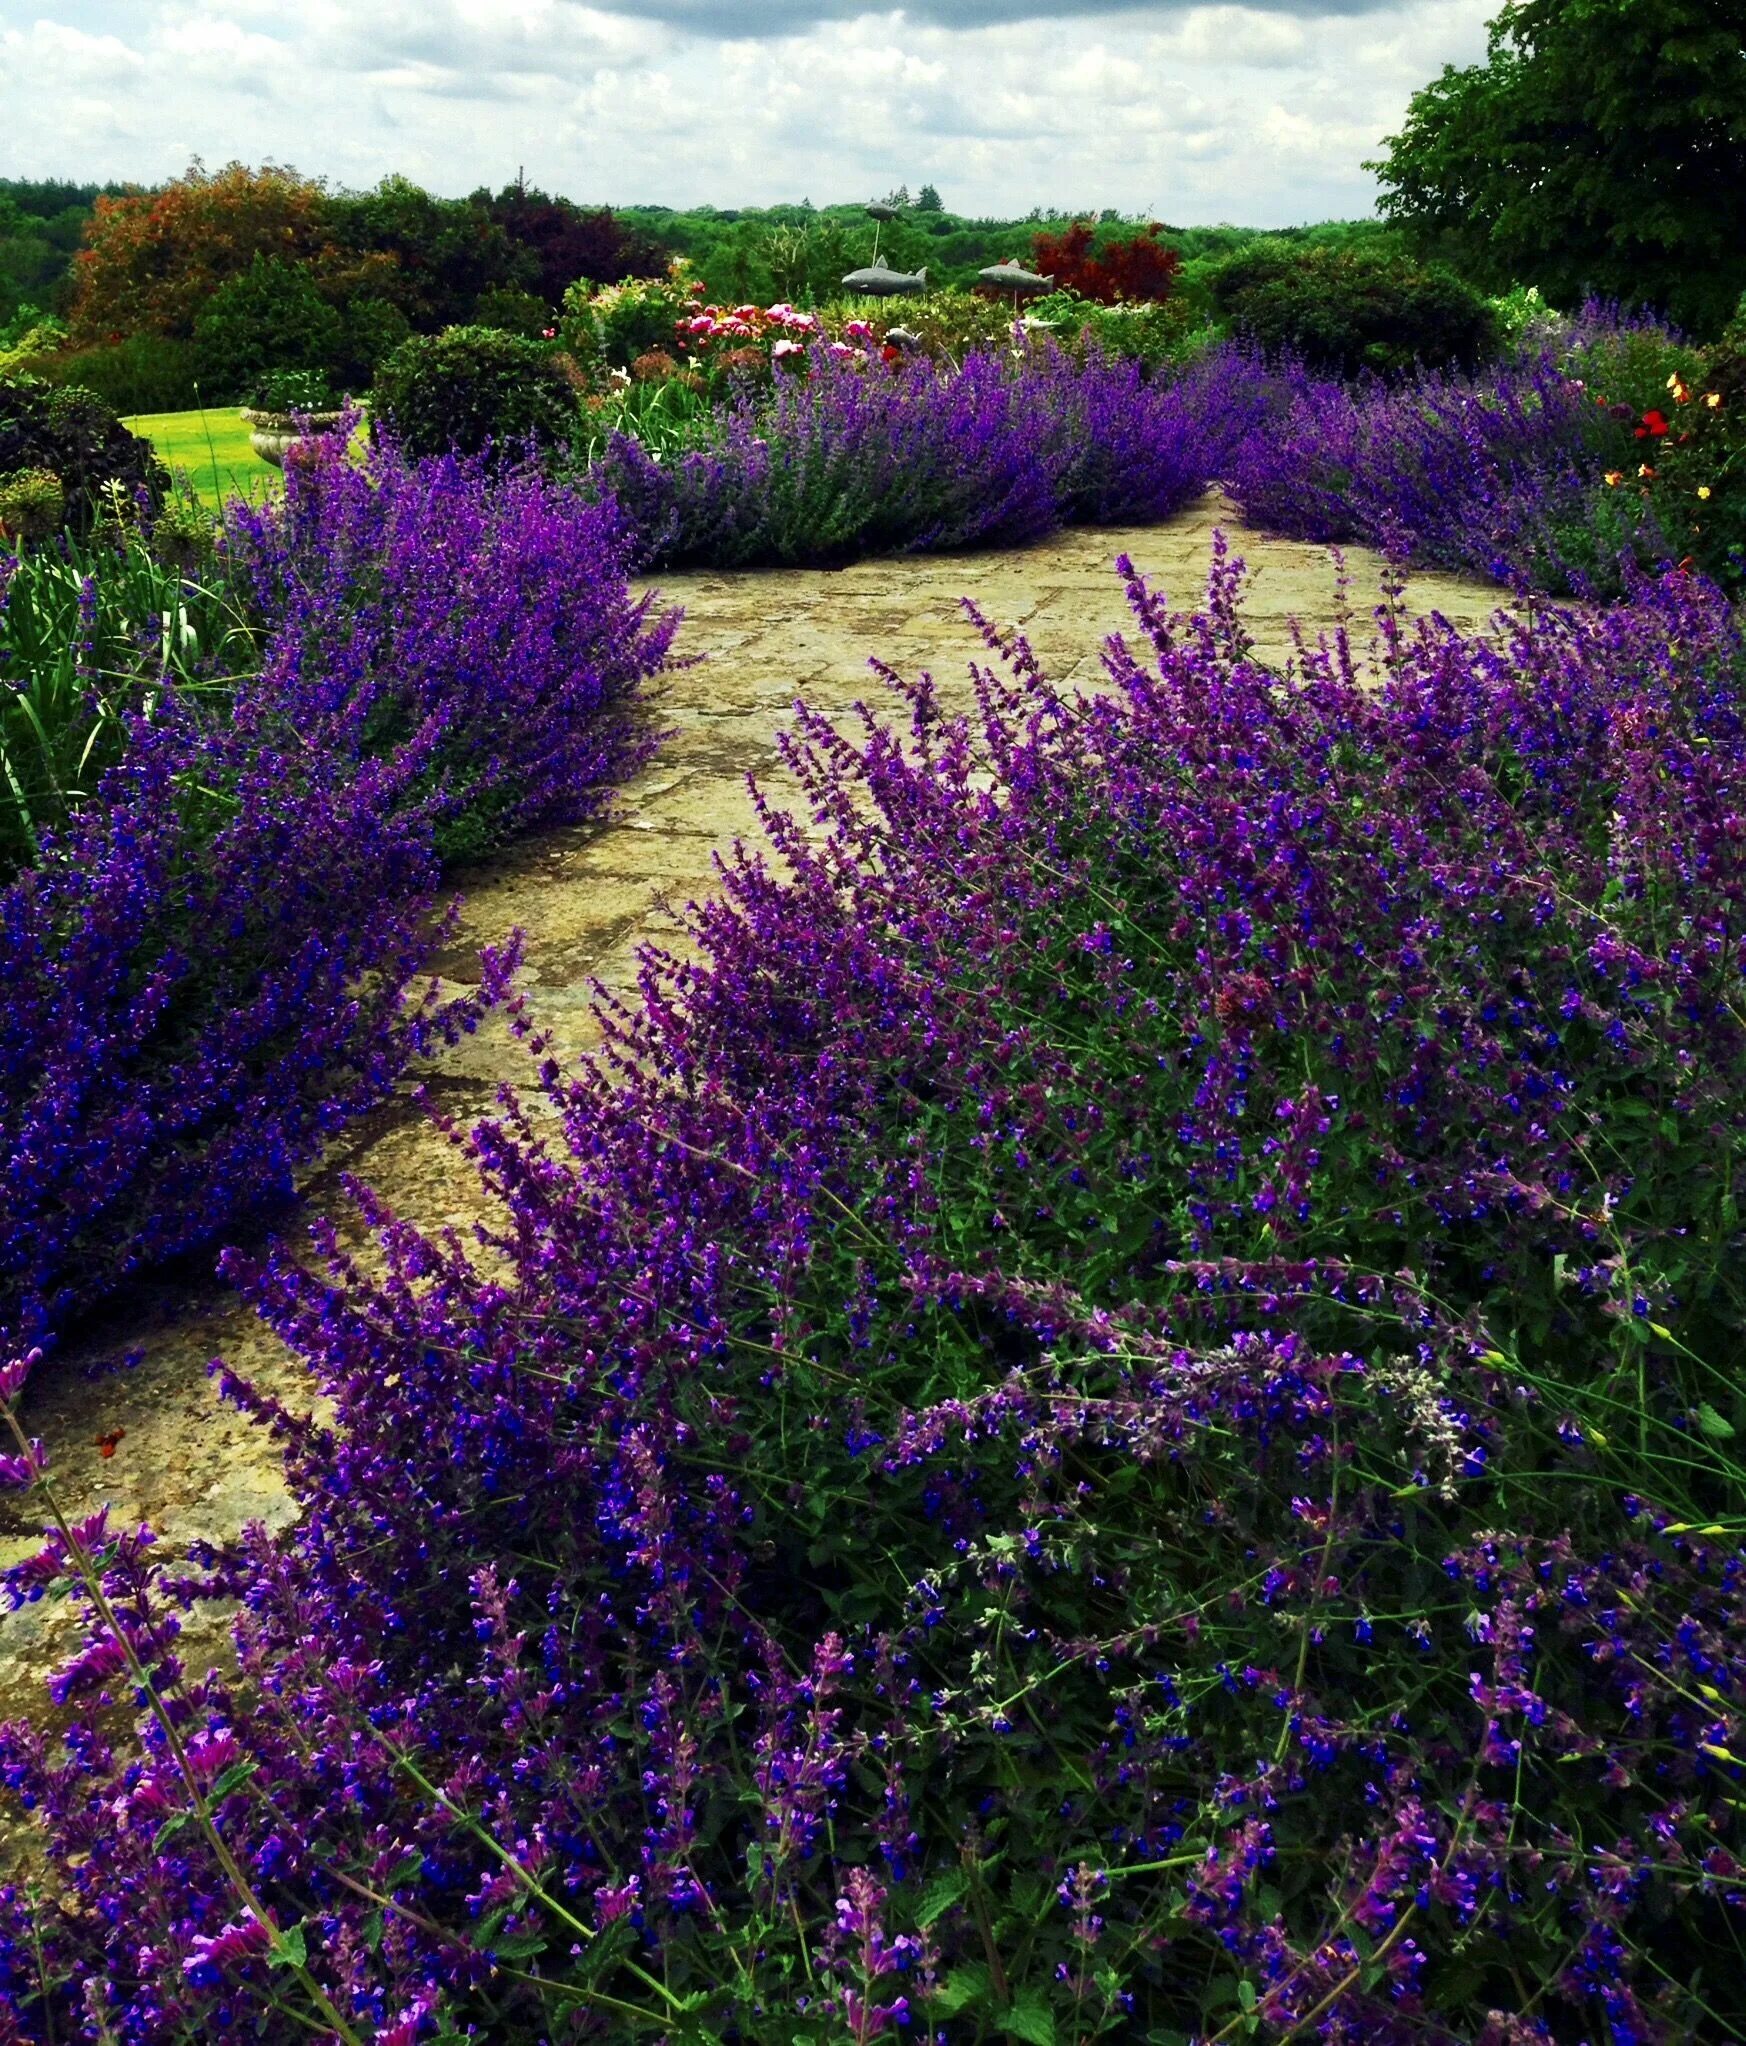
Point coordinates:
[(586, 899)]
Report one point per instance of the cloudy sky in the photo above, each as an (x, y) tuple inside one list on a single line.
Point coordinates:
[(1260, 113)]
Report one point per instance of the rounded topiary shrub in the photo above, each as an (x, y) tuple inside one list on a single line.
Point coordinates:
[(1345, 311), (72, 435), (470, 388)]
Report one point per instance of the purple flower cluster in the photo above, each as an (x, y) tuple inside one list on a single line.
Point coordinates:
[(203, 970), (1111, 1413), (850, 458), (1501, 474)]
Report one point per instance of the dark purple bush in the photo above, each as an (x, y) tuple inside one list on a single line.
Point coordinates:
[(203, 972), (1113, 1416)]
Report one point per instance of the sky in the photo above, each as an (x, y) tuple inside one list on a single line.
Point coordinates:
[(1260, 114)]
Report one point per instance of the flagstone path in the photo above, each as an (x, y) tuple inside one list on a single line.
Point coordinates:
[(586, 899)]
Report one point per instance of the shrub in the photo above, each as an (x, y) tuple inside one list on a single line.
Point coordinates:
[(28, 333), (152, 260), (1140, 267), (33, 504), (270, 317), (145, 373), (76, 437), (1346, 311), (470, 388), (609, 328), (1113, 1414), (853, 458), (203, 959), (370, 331), (513, 311), (1690, 444)]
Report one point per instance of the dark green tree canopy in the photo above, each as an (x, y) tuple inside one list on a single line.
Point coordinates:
[(1602, 147)]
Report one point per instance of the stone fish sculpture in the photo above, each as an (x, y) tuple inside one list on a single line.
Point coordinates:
[(1011, 276), (877, 281)]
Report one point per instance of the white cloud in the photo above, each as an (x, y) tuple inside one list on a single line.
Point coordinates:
[(1260, 112)]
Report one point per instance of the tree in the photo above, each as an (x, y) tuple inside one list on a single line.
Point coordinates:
[(436, 255), (1600, 148), (565, 242), (151, 260), (928, 200), (1139, 268), (271, 317)]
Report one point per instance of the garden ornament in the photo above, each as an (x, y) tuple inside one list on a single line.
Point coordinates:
[(879, 212), (878, 281), (1010, 276)]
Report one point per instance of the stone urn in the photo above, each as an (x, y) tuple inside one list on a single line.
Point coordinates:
[(271, 433)]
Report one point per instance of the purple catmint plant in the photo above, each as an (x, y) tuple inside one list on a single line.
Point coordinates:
[(1503, 473), (204, 966), (854, 457), (1109, 1412)]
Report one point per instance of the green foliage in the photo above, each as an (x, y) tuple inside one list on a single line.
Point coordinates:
[(88, 632), (471, 386), (29, 332), (430, 257), (513, 311), (1601, 148), (292, 390), (145, 373), (1155, 333), (41, 222), (271, 317), (1346, 311), (76, 437), (669, 417), (608, 328), (33, 504), (728, 247), (1691, 436), (370, 331)]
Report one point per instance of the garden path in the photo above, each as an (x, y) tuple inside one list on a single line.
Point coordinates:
[(586, 899)]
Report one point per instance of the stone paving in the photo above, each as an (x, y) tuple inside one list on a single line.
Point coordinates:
[(586, 900)]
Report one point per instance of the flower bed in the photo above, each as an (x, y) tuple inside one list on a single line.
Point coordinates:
[(1115, 1416), (854, 458), (203, 964)]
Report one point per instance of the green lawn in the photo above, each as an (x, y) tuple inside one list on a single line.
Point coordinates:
[(211, 448)]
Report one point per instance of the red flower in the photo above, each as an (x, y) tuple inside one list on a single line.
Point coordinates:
[(1655, 423)]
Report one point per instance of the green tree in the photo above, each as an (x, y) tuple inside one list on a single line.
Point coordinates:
[(928, 200), (1601, 147), (271, 317)]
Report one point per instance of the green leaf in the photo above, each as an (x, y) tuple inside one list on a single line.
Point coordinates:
[(170, 1828), (289, 1949), (233, 1778), (1030, 2019), (1716, 1426), (1246, 1993), (520, 1946), (963, 1988), (940, 1895)]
